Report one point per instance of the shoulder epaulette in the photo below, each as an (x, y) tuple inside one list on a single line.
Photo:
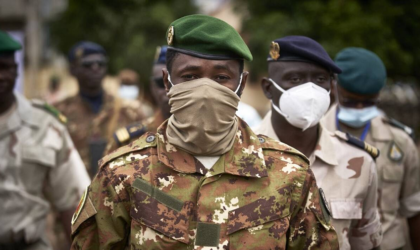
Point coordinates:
[(123, 135), (50, 109), (399, 125), (148, 139), (269, 143), (352, 140)]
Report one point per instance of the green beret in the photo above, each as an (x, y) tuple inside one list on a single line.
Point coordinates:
[(7, 43), (206, 37), (363, 72)]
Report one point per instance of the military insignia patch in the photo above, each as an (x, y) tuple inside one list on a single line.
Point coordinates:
[(79, 206), (274, 50), (324, 205), (79, 53), (395, 153), (171, 33)]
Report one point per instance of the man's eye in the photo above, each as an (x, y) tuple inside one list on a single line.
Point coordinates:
[(188, 77), (321, 79), (295, 79), (222, 78)]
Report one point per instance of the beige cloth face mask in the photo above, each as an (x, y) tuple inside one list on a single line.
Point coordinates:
[(203, 120)]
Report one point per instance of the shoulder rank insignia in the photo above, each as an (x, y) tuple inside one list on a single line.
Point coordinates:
[(123, 135), (401, 126), (274, 50), (50, 109), (374, 152), (395, 153)]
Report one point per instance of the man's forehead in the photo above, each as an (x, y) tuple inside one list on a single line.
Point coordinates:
[(7, 59), (91, 57), (295, 66), (186, 61), (350, 95)]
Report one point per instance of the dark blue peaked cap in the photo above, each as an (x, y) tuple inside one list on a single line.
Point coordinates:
[(160, 57), (84, 48), (301, 48)]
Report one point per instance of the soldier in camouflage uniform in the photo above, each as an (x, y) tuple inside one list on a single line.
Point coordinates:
[(364, 75), (93, 115), (346, 173), (129, 133), (39, 166), (204, 180)]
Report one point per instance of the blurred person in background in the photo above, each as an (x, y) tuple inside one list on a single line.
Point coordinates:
[(93, 115), (358, 87), (300, 75), (203, 180), (39, 166), (133, 131), (54, 93)]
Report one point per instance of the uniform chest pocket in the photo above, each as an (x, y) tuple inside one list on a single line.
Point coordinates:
[(263, 220), (39, 155), (346, 209), (161, 212)]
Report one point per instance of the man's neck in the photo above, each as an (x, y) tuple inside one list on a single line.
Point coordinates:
[(304, 141), (7, 103)]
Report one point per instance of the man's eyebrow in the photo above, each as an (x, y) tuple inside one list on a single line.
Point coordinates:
[(223, 66), (189, 67)]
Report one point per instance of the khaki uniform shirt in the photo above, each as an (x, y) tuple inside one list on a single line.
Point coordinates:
[(348, 177), (150, 124), (399, 174), (89, 131), (38, 166), (151, 195)]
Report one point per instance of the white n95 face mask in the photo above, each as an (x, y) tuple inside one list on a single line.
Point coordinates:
[(304, 105)]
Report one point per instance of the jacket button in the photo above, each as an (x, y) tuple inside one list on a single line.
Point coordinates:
[(150, 138)]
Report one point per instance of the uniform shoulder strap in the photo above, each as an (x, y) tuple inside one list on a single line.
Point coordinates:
[(354, 141), (50, 109), (146, 141), (399, 125), (123, 135), (269, 143)]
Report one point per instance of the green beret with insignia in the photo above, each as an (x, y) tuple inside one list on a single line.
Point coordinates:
[(206, 37), (7, 43), (363, 72)]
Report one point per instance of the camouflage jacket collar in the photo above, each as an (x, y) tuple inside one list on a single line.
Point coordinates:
[(244, 159)]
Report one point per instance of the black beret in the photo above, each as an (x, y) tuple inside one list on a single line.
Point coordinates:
[(301, 48), (84, 48)]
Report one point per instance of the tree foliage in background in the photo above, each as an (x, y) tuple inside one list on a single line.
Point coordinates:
[(129, 30), (387, 27)]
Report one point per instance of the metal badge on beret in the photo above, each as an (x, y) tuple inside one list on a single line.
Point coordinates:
[(275, 50), (171, 34), (79, 53)]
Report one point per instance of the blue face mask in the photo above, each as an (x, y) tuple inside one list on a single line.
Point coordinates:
[(357, 118)]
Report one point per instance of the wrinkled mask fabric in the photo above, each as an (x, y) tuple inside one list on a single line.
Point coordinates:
[(203, 120), (357, 118), (304, 105)]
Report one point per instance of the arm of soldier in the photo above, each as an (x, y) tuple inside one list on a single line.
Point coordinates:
[(366, 233), (410, 192), (310, 226), (102, 219), (68, 179)]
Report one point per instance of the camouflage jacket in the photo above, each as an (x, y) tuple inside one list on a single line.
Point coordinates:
[(151, 195), (90, 131)]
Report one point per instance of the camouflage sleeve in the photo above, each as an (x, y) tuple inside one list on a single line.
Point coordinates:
[(68, 179), (366, 233), (410, 191), (310, 226), (102, 219)]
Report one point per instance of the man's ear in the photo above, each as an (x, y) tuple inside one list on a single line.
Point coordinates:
[(243, 83), (266, 87), (166, 82)]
